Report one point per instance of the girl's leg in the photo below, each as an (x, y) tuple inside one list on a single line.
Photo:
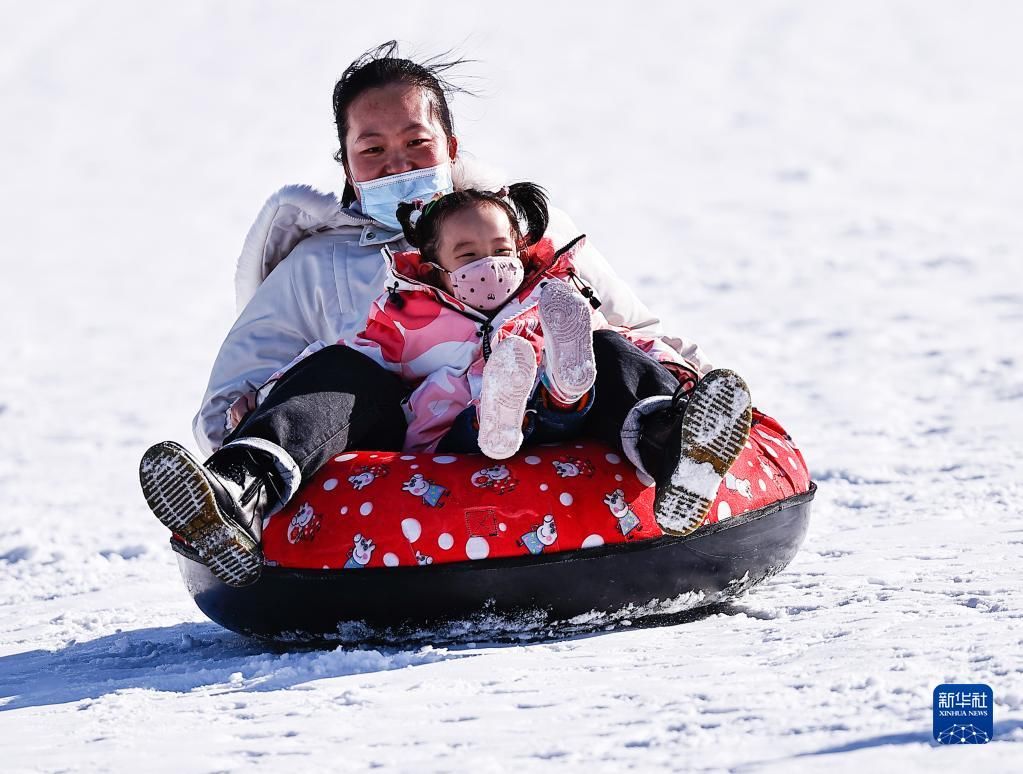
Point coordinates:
[(463, 437), (549, 422)]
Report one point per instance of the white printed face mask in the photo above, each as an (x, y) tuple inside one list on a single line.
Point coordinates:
[(486, 283), (380, 198)]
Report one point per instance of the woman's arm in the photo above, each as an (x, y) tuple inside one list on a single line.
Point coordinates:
[(286, 314)]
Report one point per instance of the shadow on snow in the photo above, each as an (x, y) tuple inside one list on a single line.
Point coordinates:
[(1001, 729), (188, 656), (179, 659)]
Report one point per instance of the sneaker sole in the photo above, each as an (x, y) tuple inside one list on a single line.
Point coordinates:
[(508, 379), (568, 340), (181, 498), (715, 428)]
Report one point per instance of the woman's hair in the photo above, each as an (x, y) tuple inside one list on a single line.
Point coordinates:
[(528, 204), (381, 66)]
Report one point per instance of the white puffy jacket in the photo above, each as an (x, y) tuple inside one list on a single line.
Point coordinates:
[(332, 273)]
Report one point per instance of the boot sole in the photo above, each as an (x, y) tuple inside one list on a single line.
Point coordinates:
[(181, 498), (508, 379), (715, 428), (568, 340)]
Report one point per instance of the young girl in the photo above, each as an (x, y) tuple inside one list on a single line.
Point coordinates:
[(490, 323)]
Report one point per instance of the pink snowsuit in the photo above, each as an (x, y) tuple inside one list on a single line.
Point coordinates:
[(436, 343)]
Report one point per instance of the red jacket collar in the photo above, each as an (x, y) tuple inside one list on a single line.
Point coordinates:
[(540, 258)]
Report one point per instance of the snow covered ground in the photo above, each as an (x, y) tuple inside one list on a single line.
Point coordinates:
[(826, 195)]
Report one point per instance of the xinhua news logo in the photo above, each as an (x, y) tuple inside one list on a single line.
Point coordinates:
[(964, 714)]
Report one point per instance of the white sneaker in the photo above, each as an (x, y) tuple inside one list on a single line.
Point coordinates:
[(508, 380), (565, 317)]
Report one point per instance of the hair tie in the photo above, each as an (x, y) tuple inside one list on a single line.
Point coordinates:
[(421, 208), (429, 205)]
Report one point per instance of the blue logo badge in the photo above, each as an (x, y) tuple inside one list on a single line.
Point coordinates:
[(964, 714)]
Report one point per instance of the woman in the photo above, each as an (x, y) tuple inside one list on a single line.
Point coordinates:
[(275, 411)]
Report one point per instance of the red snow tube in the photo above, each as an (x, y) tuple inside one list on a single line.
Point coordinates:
[(385, 509), (372, 527)]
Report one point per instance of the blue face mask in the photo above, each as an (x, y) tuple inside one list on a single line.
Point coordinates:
[(380, 198)]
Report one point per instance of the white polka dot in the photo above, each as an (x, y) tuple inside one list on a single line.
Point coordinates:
[(329, 484), (503, 527), (345, 457), (413, 467), (366, 509), (344, 509), (326, 567), (445, 541), (532, 459), (750, 463), (724, 511), (544, 487), (477, 548), (445, 459), (644, 479), (411, 529), (748, 445), (566, 498), (592, 541), (614, 459), (770, 450), (763, 486), (391, 560), (373, 456), (618, 477), (578, 446), (792, 462), (407, 457)]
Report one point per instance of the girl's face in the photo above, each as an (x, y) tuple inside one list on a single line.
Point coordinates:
[(473, 233), (392, 130)]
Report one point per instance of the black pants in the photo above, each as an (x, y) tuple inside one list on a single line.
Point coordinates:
[(338, 399), (332, 401), (625, 375)]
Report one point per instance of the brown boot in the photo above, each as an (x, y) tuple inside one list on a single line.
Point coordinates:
[(217, 508), (700, 449)]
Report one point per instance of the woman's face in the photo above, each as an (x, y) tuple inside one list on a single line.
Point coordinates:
[(392, 130), (473, 233)]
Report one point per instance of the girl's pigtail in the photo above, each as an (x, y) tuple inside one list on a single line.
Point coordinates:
[(530, 202), (408, 222)]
